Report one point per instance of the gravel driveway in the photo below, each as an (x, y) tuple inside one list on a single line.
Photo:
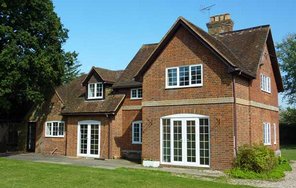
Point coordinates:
[(288, 182)]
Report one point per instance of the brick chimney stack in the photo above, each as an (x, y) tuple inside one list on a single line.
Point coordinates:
[(219, 24)]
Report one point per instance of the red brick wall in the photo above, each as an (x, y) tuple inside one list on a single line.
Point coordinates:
[(221, 131), (255, 90), (128, 117), (51, 112), (184, 49), (127, 100)]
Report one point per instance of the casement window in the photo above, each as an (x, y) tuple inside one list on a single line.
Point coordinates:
[(137, 132), (266, 134), (136, 93), (54, 128), (95, 90), (274, 133), (184, 76), (265, 83)]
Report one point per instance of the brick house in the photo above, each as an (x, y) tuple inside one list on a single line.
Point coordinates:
[(190, 100)]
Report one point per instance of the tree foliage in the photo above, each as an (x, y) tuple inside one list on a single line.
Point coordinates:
[(288, 116), (286, 52), (32, 60)]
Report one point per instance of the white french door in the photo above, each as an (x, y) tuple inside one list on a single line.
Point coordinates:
[(185, 140), (88, 139)]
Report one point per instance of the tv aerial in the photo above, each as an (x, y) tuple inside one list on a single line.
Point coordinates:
[(207, 9)]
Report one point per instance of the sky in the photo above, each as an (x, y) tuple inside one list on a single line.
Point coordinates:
[(108, 33)]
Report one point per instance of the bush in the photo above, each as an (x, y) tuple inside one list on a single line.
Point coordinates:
[(275, 174), (256, 158)]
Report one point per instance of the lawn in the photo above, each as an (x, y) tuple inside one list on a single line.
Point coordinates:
[(23, 174), (289, 152)]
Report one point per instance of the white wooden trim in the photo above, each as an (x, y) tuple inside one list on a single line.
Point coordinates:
[(178, 77), (140, 132), (95, 90), (88, 123), (184, 118), (137, 93), (274, 133), (54, 136)]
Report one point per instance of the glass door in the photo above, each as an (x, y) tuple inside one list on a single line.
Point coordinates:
[(88, 144)]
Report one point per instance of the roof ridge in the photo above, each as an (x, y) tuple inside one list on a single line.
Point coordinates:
[(106, 69), (150, 44), (245, 29)]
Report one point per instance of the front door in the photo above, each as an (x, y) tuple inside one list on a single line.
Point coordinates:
[(185, 141), (31, 136), (88, 144)]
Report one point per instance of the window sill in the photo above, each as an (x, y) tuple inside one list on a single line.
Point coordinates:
[(180, 87), (267, 144), (137, 143), (135, 99), (47, 136), (267, 92)]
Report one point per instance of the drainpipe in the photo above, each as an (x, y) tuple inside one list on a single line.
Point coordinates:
[(234, 115), (109, 138)]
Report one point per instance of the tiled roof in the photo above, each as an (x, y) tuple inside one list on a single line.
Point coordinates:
[(73, 98), (127, 77), (108, 75)]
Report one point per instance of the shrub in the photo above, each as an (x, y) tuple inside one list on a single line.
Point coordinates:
[(256, 158)]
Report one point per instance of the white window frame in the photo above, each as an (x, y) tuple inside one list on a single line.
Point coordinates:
[(95, 90), (265, 83), (88, 123), (51, 129), (178, 77), (266, 133), (185, 117), (274, 133), (137, 93), (140, 132)]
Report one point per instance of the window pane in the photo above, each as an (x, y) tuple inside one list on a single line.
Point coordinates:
[(166, 140), (140, 93), (55, 129), (134, 93), (172, 77), (196, 75), (204, 141), (99, 92), (184, 76), (137, 135), (61, 129), (48, 129), (91, 90)]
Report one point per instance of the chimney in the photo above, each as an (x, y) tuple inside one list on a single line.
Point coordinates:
[(219, 24)]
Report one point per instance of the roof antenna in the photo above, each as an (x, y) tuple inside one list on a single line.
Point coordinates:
[(207, 8)]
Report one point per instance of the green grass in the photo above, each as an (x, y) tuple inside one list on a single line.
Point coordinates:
[(24, 174), (289, 152)]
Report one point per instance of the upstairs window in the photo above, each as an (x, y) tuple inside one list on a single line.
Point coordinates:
[(136, 93), (95, 91), (184, 76), (266, 134), (265, 83), (137, 132), (54, 128)]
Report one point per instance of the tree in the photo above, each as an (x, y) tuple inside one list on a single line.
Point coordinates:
[(72, 66), (288, 116), (32, 61), (286, 52)]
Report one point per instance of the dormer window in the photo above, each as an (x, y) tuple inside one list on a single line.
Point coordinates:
[(95, 91)]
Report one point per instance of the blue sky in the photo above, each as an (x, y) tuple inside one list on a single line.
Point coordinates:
[(108, 33)]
